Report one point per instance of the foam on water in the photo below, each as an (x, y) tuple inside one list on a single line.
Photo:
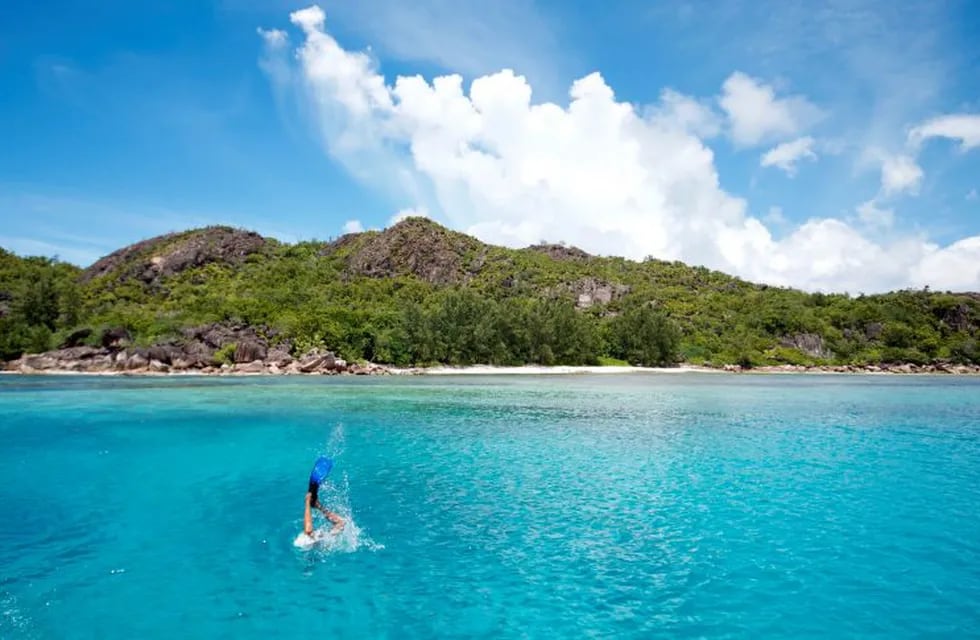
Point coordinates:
[(14, 623), (351, 538), (348, 540)]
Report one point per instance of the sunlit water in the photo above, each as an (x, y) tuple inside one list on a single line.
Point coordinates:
[(558, 507)]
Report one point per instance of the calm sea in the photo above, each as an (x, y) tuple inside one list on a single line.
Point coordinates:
[(627, 506)]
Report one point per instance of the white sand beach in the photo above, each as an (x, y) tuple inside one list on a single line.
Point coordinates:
[(542, 370)]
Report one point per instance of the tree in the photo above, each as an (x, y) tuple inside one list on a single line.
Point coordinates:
[(39, 302), (643, 336)]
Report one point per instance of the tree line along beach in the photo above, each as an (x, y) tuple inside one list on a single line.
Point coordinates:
[(418, 297)]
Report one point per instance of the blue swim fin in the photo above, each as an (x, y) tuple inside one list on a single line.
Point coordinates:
[(321, 469)]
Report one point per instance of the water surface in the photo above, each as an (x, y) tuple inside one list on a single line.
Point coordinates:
[(688, 505)]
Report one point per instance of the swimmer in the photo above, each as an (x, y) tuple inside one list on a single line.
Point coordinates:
[(320, 470)]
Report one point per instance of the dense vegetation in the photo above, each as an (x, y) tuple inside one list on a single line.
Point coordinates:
[(38, 297), (418, 293)]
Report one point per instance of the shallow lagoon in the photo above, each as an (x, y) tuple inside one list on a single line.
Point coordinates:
[(501, 506)]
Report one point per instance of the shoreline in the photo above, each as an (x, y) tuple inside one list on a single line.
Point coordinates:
[(371, 370), (534, 369)]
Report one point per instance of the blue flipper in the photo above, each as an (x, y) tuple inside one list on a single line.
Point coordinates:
[(321, 469)]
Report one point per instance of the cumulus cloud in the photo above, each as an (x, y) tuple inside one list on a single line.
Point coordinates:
[(900, 174), (957, 266), (274, 38), (353, 226), (678, 110), (595, 172), (775, 216), (964, 127), (411, 212), (787, 155), (756, 115), (873, 215)]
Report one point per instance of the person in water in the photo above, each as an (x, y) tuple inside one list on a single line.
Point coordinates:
[(321, 468)]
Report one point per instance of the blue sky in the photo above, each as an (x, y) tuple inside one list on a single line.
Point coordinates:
[(832, 149)]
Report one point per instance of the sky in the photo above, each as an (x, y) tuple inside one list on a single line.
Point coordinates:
[(828, 146)]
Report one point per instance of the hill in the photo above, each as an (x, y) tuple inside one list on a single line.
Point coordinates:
[(420, 293)]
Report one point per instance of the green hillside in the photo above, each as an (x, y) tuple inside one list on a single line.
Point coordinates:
[(418, 293)]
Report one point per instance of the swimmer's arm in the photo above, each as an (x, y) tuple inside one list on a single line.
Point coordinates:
[(307, 517), (338, 522)]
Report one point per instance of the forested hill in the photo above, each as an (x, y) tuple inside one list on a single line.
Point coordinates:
[(418, 293)]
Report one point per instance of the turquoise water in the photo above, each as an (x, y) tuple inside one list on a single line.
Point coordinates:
[(495, 507)]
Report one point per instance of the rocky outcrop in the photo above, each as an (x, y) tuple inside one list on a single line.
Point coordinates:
[(590, 291), (811, 344), (561, 252), (151, 260), (250, 351), (195, 354), (958, 318), (165, 353), (76, 338), (116, 338), (414, 246)]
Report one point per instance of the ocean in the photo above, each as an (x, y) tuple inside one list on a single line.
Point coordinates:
[(606, 506)]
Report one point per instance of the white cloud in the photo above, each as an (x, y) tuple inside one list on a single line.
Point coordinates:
[(775, 216), (873, 215), (687, 113), (964, 127), (593, 172), (353, 226), (787, 155), (274, 38), (900, 174), (756, 115), (309, 19), (957, 267), (411, 212)]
